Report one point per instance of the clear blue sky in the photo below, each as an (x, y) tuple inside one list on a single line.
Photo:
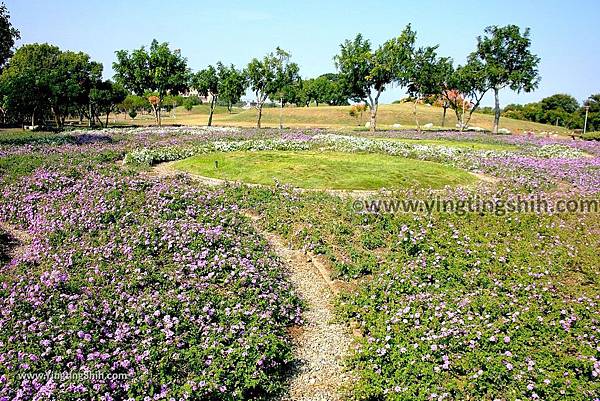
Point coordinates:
[(565, 34)]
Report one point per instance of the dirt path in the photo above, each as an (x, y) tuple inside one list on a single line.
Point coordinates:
[(320, 345)]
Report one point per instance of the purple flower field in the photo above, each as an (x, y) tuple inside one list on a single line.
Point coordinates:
[(162, 288)]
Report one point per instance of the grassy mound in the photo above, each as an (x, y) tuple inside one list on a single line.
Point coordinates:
[(325, 170)]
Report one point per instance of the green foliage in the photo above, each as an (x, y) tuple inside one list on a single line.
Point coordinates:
[(8, 35), (365, 73), (135, 103), (232, 84), (593, 102), (271, 77), (326, 88), (507, 61), (41, 78), (158, 69), (105, 99), (558, 109), (591, 136)]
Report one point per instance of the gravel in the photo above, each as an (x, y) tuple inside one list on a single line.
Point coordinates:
[(321, 344)]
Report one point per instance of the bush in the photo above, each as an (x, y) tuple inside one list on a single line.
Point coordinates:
[(591, 136)]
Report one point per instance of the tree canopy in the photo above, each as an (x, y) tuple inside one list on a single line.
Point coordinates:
[(269, 77), (8, 35), (507, 61), (41, 79), (158, 69), (365, 73)]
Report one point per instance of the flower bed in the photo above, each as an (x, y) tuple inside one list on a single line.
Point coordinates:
[(156, 287)]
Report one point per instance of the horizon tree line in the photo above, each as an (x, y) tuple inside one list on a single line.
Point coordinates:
[(41, 80)]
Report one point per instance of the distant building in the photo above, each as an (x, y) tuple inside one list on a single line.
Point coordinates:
[(194, 92)]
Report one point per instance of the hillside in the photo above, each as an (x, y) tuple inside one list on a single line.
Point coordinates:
[(337, 117)]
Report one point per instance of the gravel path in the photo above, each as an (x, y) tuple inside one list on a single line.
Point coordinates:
[(320, 345)]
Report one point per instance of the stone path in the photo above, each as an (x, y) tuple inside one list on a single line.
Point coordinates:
[(320, 345)]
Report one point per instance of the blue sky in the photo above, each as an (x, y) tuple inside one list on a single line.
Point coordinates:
[(565, 34)]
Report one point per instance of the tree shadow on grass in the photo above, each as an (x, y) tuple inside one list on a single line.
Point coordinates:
[(7, 244)]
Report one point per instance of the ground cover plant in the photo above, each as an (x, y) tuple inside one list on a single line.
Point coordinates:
[(159, 285), (165, 281)]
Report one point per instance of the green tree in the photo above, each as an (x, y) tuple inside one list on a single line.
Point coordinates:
[(26, 81), (428, 76), (560, 101), (326, 88), (206, 82), (465, 88), (269, 76), (158, 69), (41, 79), (593, 103), (71, 80), (232, 84), (134, 103), (365, 73), (105, 99), (508, 61), (8, 36)]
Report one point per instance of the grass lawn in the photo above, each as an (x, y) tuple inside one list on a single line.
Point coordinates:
[(325, 170), (455, 144), (334, 117)]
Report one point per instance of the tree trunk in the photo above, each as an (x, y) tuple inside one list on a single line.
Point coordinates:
[(56, 119), (496, 111), (33, 119), (159, 116), (281, 113), (213, 101), (107, 114), (259, 107), (444, 116), (416, 118)]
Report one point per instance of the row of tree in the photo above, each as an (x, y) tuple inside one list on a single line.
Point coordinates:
[(559, 109), (41, 80)]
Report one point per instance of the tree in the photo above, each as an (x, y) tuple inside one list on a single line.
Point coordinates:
[(593, 103), (26, 79), (508, 62), (233, 84), (105, 98), (132, 104), (326, 88), (465, 88), (269, 76), (365, 73), (357, 111), (560, 101), (206, 82), (8, 36), (71, 80), (158, 69), (428, 76), (41, 79), (287, 81)]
